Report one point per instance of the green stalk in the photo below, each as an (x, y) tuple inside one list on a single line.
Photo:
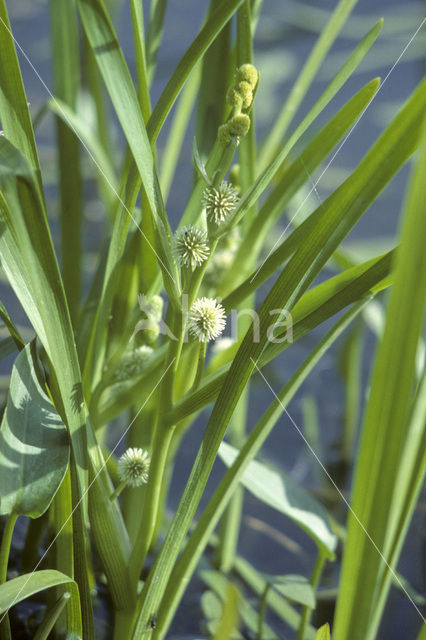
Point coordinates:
[(202, 349), (63, 530), (136, 9), (114, 495), (5, 545), (6, 542), (179, 576), (80, 558), (216, 71), (262, 610), (315, 578), (65, 50), (378, 502), (163, 434), (51, 617), (247, 147), (155, 34), (93, 82), (231, 521), (198, 275), (178, 129)]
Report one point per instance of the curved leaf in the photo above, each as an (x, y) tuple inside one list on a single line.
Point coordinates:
[(281, 492), (23, 587)]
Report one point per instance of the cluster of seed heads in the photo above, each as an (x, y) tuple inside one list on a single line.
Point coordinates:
[(240, 97)]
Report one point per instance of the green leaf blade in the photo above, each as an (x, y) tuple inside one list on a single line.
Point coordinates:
[(283, 494), (34, 449)]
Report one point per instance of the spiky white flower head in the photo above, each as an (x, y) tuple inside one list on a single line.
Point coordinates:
[(190, 245), (206, 319), (220, 201), (133, 467)]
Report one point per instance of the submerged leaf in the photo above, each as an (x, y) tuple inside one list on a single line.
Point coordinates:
[(34, 448)]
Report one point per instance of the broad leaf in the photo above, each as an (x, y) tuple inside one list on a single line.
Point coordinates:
[(7, 346), (282, 493), (294, 587), (34, 448)]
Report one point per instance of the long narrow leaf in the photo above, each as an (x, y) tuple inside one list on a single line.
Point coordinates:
[(212, 513), (14, 112), (24, 586), (320, 243), (322, 47), (385, 429)]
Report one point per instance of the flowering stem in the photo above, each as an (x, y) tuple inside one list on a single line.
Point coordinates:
[(118, 490), (198, 275), (315, 577), (202, 349), (5, 633), (163, 434)]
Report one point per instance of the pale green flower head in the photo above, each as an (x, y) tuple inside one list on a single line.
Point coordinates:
[(133, 467), (220, 201), (190, 246), (206, 319)]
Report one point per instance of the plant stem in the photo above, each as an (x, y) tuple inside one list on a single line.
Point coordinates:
[(262, 610), (51, 617), (163, 434), (202, 348), (6, 541), (117, 491), (5, 545), (315, 577)]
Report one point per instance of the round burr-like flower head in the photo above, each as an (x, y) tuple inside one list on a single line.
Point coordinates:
[(206, 319), (248, 73), (220, 201), (190, 245), (133, 467)]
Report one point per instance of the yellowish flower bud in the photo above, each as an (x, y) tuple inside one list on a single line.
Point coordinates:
[(234, 98), (246, 93), (224, 135), (248, 73), (239, 125)]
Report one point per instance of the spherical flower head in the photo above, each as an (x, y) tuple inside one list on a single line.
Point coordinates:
[(220, 202), (206, 319), (133, 363), (234, 98), (245, 91), (157, 304), (223, 135), (248, 73), (133, 467), (239, 125), (190, 245)]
